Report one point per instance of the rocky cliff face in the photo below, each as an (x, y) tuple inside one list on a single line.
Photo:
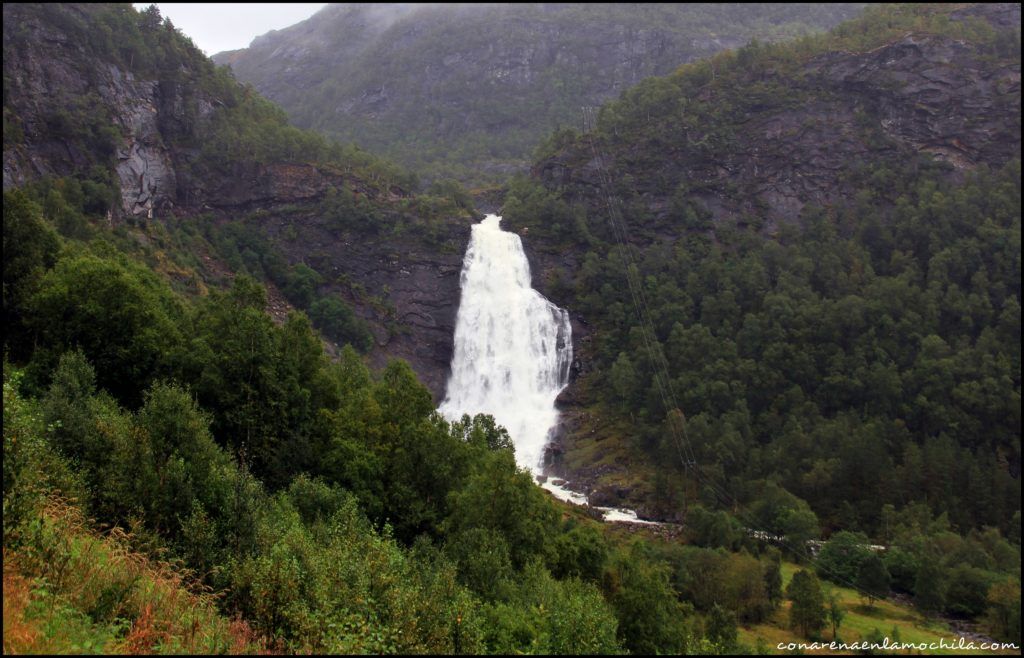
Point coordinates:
[(61, 73), (76, 109), (471, 89), (920, 94), (76, 112), (406, 287)]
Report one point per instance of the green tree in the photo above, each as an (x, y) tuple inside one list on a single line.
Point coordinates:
[(30, 248), (1003, 615), (746, 588), (721, 628), (841, 557), (930, 588), (873, 579), (773, 577), (174, 461), (337, 321), (498, 496), (624, 380), (301, 286), (231, 364), (798, 526), (66, 405), (483, 433), (967, 592), (714, 529), (902, 565), (483, 560), (807, 612), (650, 616), (541, 615), (120, 315), (581, 553), (835, 613)]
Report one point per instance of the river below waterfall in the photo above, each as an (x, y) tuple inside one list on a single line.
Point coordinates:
[(513, 351)]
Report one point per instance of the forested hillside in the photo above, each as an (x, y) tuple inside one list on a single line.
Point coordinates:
[(209, 446), (185, 472), (825, 238), (114, 112), (468, 90)]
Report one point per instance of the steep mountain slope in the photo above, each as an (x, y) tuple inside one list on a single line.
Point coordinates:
[(469, 89), (151, 131), (857, 367), (768, 130), (290, 486), (815, 226)]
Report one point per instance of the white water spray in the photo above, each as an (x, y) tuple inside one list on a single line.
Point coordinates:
[(513, 350), (513, 347)]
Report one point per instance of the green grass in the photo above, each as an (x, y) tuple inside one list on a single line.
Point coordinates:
[(859, 622)]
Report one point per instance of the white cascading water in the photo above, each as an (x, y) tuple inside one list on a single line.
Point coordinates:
[(513, 348)]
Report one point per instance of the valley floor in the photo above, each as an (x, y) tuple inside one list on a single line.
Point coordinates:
[(897, 622)]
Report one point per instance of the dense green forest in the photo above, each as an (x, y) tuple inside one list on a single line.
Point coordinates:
[(184, 473), (861, 359), (854, 371), (318, 506)]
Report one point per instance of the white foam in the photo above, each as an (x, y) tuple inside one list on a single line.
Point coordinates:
[(513, 350), (513, 347)]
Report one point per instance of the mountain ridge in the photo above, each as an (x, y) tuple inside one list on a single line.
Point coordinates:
[(465, 91), (900, 98)]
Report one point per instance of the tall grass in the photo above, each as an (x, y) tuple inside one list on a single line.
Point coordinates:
[(70, 590)]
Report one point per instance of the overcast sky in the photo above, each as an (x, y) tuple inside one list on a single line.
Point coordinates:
[(215, 27)]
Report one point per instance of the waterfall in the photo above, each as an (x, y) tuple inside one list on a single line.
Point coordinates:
[(513, 348)]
